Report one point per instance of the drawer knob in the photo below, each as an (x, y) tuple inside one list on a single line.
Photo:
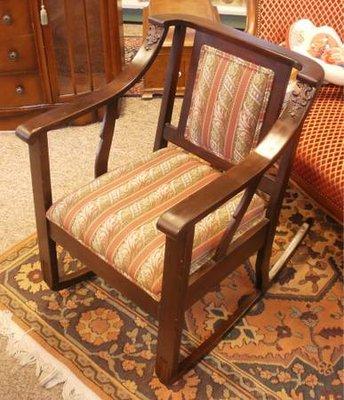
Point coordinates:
[(20, 90), (7, 19), (180, 74), (13, 55)]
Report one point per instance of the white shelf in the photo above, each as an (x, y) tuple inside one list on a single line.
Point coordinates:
[(134, 4), (229, 9), (223, 9)]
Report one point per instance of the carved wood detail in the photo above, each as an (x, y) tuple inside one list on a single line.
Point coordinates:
[(153, 36), (300, 98)]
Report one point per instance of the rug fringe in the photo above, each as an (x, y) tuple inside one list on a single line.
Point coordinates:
[(50, 372)]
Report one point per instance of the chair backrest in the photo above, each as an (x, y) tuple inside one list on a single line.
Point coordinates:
[(233, 96), (273, 17)]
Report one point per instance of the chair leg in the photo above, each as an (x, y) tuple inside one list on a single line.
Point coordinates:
[(262, 268), (171, 314), (168, 367), (172, 306), (49, 264), (263, 281), (41, 186), (169, 341)]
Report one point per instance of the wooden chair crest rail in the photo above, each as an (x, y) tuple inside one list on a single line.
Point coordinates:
[(201, 215), (318, 164), (153, 81)]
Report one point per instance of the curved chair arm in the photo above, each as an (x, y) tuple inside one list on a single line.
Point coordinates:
[(183, 216), (62, 114), (308, 70)]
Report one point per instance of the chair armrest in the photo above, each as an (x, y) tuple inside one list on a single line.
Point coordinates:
[(191, 210), (184, 215), (126, 79)]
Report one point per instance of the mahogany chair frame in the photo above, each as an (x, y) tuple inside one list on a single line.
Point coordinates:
[(180, 289)]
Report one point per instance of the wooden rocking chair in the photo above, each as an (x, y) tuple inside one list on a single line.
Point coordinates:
[(166, 229)]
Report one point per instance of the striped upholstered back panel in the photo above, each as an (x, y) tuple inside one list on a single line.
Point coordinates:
[(228, 104), (275, 16)]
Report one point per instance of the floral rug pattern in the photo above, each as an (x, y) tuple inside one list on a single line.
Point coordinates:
[(288, 347)]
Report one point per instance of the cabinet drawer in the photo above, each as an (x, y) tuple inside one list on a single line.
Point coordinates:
[(18, 54), (155, 77), (20, 90), (14, 18)]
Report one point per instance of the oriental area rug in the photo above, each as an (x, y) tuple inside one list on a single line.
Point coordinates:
[(289, 346)]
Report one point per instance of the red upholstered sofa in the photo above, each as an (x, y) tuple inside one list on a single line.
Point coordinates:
[(318, 166)]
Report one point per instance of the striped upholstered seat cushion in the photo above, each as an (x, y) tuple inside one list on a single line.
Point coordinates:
[(116, 215), (228, 104)]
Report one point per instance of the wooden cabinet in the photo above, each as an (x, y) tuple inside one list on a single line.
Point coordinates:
[(79, 50), (19, 90), (153, 81)]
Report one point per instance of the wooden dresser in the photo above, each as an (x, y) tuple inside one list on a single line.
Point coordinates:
[(79, 50), (154, 79)]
